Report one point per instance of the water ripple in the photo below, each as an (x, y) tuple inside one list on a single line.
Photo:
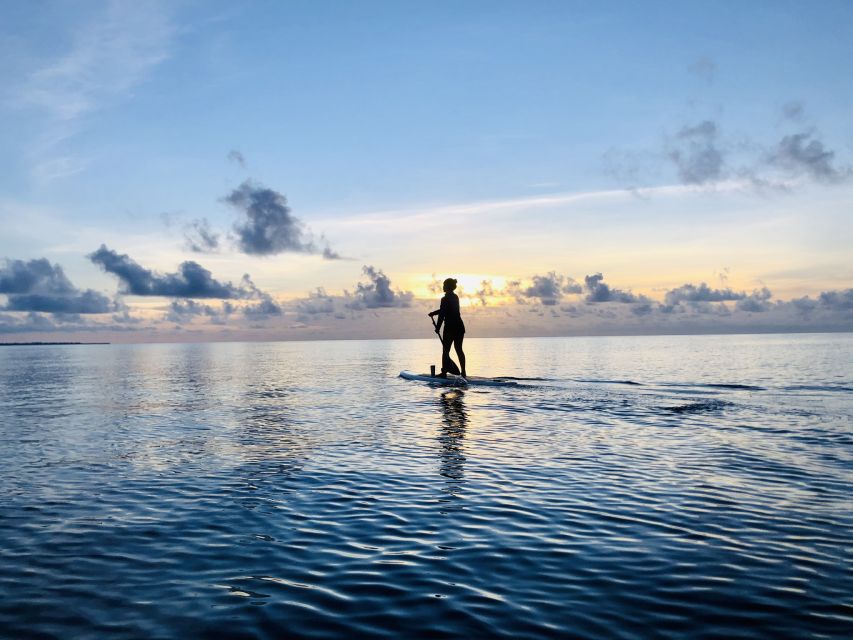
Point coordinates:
[(264, 491)]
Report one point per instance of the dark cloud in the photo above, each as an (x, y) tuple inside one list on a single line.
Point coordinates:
[(236, 156), (378, 292), (183, 310), (34, 276), (37, 285), (572, 286), (828, 301), (549, 289), (318, 302), (124, 317), (804, 305), (328, 254), (803, 154), (269, 227), (837, 300), (696, 153), (200, 238), (34, 322), (191, 281), (757, 301), (264, 308), (85, 302), (598, 291), (703, 68), (702, 293)]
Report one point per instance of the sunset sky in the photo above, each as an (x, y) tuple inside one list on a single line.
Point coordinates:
[(288, 170)]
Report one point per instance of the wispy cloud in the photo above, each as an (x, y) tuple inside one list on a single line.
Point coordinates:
[(437, 215), (237, 157), (199, 237), (110, 53)]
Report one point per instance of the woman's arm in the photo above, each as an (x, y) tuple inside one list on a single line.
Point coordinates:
[(442, 312)]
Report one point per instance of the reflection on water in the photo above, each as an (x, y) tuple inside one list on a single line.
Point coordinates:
[(272, 490), (451, 438)]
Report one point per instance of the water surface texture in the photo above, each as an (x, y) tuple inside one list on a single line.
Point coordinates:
[(683, 487)]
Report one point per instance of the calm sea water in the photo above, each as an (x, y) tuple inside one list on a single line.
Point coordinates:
[(684, 487)]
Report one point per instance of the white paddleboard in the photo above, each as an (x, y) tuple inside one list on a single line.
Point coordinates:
[(458, 381)]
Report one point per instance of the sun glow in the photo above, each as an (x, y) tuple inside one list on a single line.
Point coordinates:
[(473, 289)]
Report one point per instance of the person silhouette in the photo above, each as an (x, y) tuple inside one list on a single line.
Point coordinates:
[(454, 329)]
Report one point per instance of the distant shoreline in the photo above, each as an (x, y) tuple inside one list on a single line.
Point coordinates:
[(43, 344)]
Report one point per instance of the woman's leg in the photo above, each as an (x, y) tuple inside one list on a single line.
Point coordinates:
[(457, 344), (445, 353)]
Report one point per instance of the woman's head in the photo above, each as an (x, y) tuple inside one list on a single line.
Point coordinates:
[(449, 285)]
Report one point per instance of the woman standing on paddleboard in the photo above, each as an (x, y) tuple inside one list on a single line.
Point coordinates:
[(454, 329)]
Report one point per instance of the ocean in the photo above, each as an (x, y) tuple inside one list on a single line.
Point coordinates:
[(628, 487)]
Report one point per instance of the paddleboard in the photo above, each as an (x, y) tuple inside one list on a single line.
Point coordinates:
[(458, 381)]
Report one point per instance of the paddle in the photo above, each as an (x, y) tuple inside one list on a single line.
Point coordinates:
[(451, 366)]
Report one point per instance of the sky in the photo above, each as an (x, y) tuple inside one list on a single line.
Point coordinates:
[(202, 170)]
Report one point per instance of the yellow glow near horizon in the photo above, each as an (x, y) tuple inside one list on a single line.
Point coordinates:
[(468, 287)]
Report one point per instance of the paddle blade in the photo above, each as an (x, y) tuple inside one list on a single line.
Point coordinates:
[(451, 367)]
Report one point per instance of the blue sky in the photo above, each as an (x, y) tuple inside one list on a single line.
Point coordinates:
[(659, 143)]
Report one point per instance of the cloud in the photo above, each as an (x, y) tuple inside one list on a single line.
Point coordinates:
[(200, 238), (485, 291), (38, 275), (37, 285), (378, 292), (318, 302), (757, 301), (793, 110), (101, 59), (598, 291), (827, 301), (183, 310), (703, 156), (702, 293), (34, 322), (86, 302), (703, 68), (264, 308), (803, 154), (837, 300), (269, 228), (328, 254), (572, 286), (108, 55), (642, 309), (696, 153), (236, 156), (191, 281), (549, 289)]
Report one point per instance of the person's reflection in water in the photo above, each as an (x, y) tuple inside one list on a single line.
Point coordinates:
[(451, 436)]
